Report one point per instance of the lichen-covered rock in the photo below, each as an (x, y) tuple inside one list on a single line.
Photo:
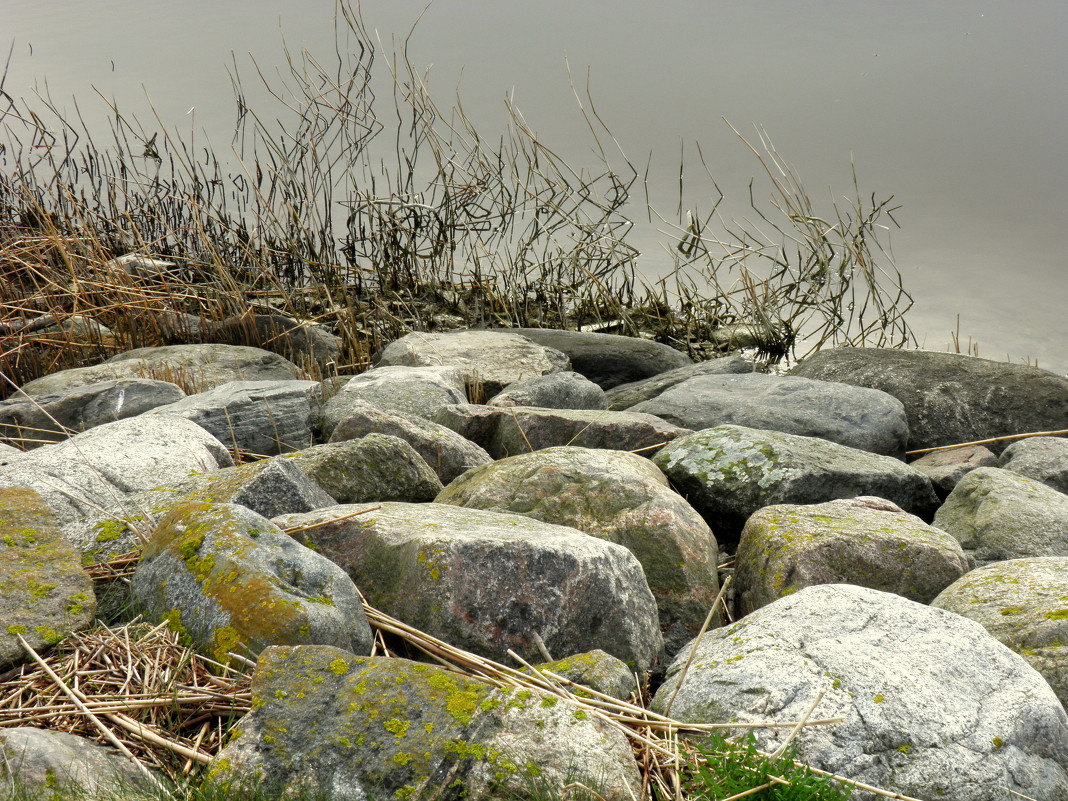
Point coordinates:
[(493, 359), (598, 671), (554, 391), (260, 417), (447, 453), (376, 467), (489, 582), (729, 472), (624, 396), (44, 593), (1024, 603), (858, 417), (419, 391), (231, 580), (864, 541), (934, 706), (379, 729), (619, 497), (996, 514), (55, 765), (1044, 459), (947, 468)]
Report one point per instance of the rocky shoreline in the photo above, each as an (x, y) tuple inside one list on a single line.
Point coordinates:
[(589, 507)]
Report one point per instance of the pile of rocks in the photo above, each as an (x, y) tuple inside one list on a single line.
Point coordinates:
[(587, 507)]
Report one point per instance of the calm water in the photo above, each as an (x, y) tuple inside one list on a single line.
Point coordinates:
[(958, 109)]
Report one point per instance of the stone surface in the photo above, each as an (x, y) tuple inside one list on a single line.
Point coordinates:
[(487, 582), (598, 671), (554, 391), (934, 706), (854, 416), (447, 453), (307, 345), (233, 581), (729, 472), (264, 418), (1044, 459), (608, 359), (616, 496), (864, 541), (947, 468), (195, 368), (996, 514), (44, 593), (378, 729), (950, 398), (418, 391), (493, 359), (51, 418), (376, 467), (624, 396), (1024, 604)]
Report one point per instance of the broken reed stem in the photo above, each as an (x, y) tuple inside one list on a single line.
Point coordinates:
[(1006, 438), (697, 641)]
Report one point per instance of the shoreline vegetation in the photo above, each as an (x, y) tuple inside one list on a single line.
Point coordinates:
[(109, 246)]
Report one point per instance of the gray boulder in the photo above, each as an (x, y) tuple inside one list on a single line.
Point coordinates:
[(447, 453), (1024, 604), (306, 344), (472, 421), (491, 359), (950, 398), (378, 729), (418, 391), (264, 418), (858, 417), (729, 472), (616, 496), (598, 671), (947, 468), (624, 396), (51, 418), (864, 541), (934, 706), (44, 593), (608, 359), (195, 368), (996, 514), (489, 582), (1044, 459), (233, 581), (376, 467), (554, 391)]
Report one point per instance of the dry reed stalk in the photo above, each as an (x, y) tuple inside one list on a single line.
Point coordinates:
[(1062, 433)]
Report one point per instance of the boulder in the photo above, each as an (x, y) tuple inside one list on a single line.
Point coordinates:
[(195, 368), (1024, 604), (376, 467), (947, 468), (615, 496), (624, 396), (472, 421), (858, 417), (490, 359), (996, 514), (554, 391), (1044, 459), (950, 398), (380, 729), (488, 582), (418, 391), (43, 419), (44, 593), (934, 707), (306, 344), (729, 472), (600, 672), (259, 417), (447, 453), (231, 580), (864, 541), (608, 359)]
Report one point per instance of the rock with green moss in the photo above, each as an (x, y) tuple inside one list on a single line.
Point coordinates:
[(596, 670), (412, 390), (230, 580), (386, 729), (44, 593), (933, 706), (864, 541), (728, 472), (377, 467), (54, 766), (616, 496), (489, 582), (947, 468), (1024, 603), (1044, 459), (996, 514)]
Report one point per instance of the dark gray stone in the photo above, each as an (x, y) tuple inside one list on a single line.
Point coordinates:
[(553, 391), (1044, 459), (624, 396)]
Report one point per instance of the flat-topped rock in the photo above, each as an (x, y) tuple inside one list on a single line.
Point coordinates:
[(623, 396)]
